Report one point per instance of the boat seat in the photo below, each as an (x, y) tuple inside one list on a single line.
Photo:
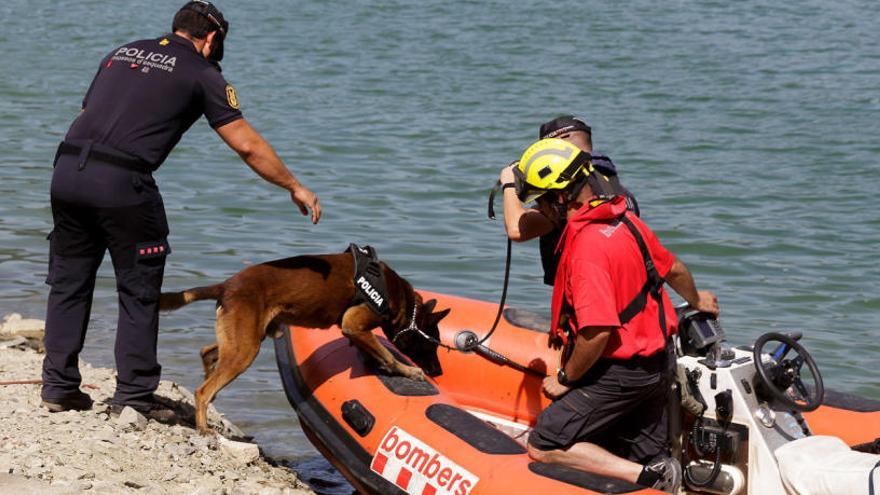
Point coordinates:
[(399, 385), (583, 479), (825, 465), (527, 320), (473, 430)]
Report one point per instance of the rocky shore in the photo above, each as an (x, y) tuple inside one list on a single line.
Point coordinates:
[(94, 452)]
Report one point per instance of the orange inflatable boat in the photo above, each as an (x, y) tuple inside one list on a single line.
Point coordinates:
[(463, 431)]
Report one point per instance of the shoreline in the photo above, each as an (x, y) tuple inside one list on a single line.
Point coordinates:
[(91, 451)]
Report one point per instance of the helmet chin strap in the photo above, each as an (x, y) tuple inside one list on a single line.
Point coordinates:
[(573, 191)]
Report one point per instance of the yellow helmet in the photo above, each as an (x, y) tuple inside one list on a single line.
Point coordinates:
[(549, 164)]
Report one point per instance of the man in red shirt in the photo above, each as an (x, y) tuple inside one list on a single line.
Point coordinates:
[(610, 309)]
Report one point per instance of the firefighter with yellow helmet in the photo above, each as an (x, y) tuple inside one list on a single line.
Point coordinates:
[(523, 223), (612, 313)]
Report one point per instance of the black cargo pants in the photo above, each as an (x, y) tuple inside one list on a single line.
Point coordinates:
[(97, 207)]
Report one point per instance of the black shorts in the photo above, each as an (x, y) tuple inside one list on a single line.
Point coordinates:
[(618, 405)]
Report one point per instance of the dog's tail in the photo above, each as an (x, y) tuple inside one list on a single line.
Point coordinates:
[(169, 301)]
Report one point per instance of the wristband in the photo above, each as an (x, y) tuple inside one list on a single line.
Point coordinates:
[(508, 185), (561, 377)]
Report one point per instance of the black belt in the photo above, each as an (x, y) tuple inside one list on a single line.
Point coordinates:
[(90, 151), (651, 363)]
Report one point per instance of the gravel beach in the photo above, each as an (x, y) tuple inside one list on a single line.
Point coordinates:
[(95, 452)]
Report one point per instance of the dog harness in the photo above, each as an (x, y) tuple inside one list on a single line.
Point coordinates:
[(369, 280)]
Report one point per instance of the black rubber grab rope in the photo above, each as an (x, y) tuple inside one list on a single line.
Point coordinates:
[(470, 346), (491, 213), (477, 345)]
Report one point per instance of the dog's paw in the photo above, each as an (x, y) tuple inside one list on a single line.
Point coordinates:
[(414, 373)]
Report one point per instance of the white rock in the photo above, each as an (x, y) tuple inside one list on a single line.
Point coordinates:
[(245, 453), (15, 342), (200, 442), (5, 462), (129, 416), (14, 323), (65, 473)]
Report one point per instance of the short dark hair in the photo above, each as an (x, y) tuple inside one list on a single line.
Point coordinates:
[(563, 125), (193, 23)]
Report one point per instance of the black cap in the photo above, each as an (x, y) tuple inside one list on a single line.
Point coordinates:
[(213, 14), (562, 125)]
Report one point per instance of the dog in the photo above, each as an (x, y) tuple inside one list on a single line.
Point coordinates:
[(314, 291)]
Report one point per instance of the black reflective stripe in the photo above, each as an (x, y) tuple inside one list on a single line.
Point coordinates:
[(653, 284)]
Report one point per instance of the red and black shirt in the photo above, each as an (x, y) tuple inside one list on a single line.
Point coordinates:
[(602, 270)]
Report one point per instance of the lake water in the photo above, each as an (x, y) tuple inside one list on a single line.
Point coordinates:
[(748, 131)]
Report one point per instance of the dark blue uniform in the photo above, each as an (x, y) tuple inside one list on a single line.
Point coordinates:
[(145, 95)]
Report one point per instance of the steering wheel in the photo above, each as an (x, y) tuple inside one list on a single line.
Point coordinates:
[(783, 379)]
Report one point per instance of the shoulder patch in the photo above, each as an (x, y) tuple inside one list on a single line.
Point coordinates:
[(164, 41), (231, 97)]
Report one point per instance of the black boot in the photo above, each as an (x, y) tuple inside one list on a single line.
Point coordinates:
[(78, 401)]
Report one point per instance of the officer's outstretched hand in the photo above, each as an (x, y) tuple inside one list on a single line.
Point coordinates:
[(306, 200)]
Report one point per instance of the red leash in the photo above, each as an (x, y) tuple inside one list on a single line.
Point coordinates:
[(40, 382)]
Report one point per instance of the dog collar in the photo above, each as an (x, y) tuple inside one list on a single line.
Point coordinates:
[(412, 326), (415, 328)]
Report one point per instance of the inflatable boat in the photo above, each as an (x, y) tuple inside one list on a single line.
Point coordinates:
[(463, 432)]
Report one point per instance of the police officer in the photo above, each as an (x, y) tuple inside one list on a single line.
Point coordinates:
[(145, 95)]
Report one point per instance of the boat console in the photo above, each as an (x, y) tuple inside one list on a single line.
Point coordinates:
[(739, 405)]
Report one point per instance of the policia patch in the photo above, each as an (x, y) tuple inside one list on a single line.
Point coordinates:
[(369, 281), (231, 97)]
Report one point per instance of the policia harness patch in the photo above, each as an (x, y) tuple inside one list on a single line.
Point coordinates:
[(369, 281)]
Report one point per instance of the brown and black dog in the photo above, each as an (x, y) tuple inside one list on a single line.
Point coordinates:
[(313, 292)]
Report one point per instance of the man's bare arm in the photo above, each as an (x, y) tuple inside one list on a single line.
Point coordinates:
[(590, 345), (682, 282), (521, 223), (588, 348), (259, 155)]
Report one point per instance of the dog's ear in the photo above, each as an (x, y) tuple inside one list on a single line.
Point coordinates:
[(428, 306), (435, 318)]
